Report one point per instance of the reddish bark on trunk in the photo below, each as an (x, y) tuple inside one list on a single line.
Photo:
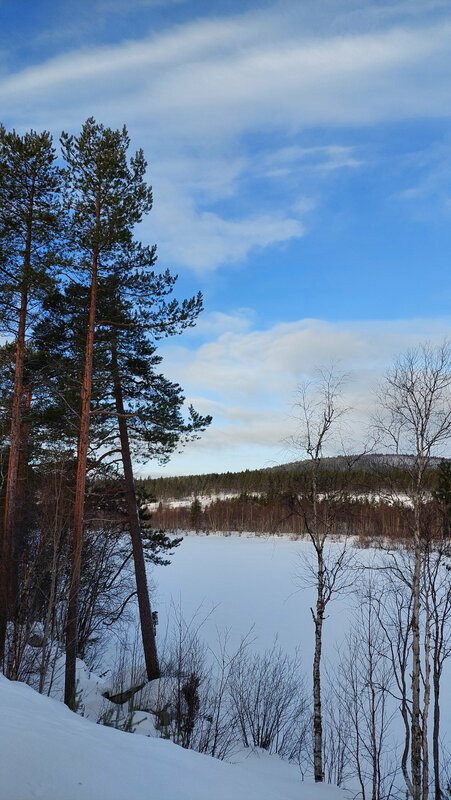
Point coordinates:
[(79, 505), (10, 508)]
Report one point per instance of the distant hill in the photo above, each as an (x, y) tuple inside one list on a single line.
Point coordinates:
[(366, 461), (368, 472)]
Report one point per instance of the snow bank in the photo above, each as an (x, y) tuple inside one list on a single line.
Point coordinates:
[(48, 752)]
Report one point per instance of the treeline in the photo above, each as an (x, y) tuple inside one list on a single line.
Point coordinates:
[(81, 393), (370, 499), (371, 521), (364, 475)]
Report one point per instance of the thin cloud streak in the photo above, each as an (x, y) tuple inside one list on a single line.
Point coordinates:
[(224, 77), (191, 95)]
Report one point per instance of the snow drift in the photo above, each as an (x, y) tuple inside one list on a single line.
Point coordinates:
[(48, 752)]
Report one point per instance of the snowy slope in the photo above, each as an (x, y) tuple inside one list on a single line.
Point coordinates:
[(48, 752)]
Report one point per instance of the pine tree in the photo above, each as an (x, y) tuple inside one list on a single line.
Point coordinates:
[(148, 406), (106, 197), (29, 221), (135, 410)]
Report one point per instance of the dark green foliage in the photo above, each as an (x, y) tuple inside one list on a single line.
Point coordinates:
[(154, 404), (442, 494), (196, 514), (105, 193), (157, 544), (283, 479), (29, 207), (84, 263)]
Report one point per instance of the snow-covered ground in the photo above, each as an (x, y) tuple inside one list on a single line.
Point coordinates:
[(236, 585), (206, 500), (48, 752)]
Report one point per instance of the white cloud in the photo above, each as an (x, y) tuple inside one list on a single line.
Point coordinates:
[(205, 240), (430, 195), (219, 78), (189, 234), (248, 381), (215, 323), (324, 159)]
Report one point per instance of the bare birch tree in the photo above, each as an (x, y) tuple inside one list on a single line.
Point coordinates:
[(437, 602), (365, 688), (415, 419), (322, 491)]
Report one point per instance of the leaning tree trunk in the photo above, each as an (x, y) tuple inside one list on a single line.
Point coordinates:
[(79, 505), (145, 611)]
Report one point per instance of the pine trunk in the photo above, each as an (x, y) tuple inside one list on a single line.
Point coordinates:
[(10, 508), (145, 611), (19, 540), (79, 506)]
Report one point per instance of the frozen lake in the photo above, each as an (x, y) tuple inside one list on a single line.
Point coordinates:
[(246, 583), (243, 584)]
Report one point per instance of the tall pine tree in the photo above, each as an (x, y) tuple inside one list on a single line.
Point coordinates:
[(148, 406), (29, 223), (106, 196), (135, 411)]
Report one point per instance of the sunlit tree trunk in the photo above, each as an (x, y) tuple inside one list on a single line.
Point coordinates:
[(79, 505)]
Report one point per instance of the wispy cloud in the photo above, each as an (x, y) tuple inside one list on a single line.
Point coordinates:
[(205, 240), (321, 160), (194, 95), (222, 77), (428, 193)]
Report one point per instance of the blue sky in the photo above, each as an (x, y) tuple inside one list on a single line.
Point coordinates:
[(300, 155)]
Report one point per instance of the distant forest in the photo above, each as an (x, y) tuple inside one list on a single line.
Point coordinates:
[(363, 474), (365, 497)]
